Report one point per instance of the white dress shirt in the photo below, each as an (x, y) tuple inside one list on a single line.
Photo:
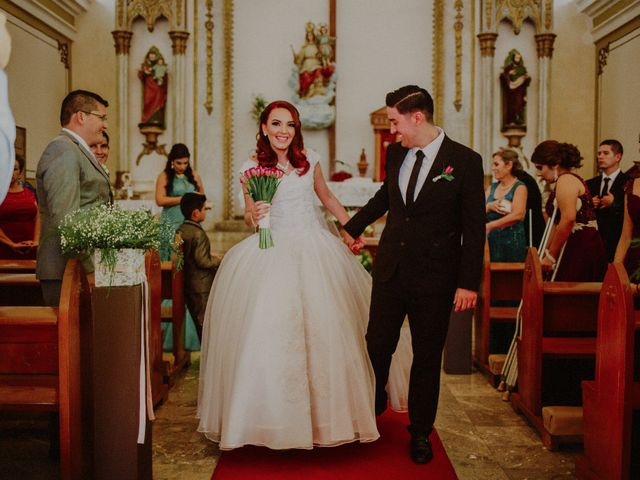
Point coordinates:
[(430, 152), (612, 177), (80, 140)]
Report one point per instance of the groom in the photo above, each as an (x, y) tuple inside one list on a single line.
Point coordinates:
[(430, 253)]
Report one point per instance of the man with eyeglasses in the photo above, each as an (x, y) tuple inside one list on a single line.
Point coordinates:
[(69, 177)]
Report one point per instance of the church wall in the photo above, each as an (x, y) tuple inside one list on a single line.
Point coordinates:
[(94, 65), (35, 108), (572, 106), (618, 94), (381, 46)]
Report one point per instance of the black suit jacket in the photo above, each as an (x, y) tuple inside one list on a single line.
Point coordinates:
[(610, 218), (438, 243)]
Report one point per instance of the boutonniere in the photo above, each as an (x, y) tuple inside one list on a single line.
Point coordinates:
[(447, 174)]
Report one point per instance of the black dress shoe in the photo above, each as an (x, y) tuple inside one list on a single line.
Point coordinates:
[(421, 451)]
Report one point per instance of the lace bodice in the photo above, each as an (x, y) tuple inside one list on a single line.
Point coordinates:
[(293, 204)]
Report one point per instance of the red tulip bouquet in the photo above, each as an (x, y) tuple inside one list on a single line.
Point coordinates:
[(262, 183)]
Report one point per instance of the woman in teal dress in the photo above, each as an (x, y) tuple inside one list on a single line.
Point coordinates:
[(174, 181), (506, 208)]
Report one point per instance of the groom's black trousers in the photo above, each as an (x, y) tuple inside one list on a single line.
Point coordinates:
[(391, 301)]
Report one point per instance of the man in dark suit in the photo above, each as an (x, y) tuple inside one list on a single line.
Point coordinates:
[(607, 190), (430, 253), (69, 177)]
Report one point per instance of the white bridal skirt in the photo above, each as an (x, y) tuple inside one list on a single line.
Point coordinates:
[(284, 362)]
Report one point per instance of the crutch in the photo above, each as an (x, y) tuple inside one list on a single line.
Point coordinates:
[(510, 369)]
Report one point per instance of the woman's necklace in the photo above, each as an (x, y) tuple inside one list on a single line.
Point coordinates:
[(284, 166), (508, 186)]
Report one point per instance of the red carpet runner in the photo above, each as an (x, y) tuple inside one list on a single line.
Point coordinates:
[(385, 459)]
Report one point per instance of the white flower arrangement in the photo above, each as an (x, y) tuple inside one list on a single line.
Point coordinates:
[(110, 228)]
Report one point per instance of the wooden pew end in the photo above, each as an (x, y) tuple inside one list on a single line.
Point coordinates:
[(562, 424)]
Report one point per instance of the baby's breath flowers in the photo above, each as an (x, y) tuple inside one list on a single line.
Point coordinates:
[(110, 228)]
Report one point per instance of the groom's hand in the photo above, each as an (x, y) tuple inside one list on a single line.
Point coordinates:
[(464, 299)]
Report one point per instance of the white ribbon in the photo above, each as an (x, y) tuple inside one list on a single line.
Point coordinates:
[(265, 222)]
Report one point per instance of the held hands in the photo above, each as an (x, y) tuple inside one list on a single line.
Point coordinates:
[(604, 201), (465, 299), (23, 247), (354, 244)]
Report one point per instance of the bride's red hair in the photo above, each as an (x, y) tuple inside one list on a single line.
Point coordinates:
[(266, 156)]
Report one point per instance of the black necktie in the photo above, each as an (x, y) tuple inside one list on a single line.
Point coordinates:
[(605, 189), (413, 179)]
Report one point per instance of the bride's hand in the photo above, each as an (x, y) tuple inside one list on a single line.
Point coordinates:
[(260, 210)]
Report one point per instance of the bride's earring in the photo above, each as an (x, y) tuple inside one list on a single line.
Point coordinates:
[(555, 174)]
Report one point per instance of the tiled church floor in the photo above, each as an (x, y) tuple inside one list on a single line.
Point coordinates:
[(484, 438)]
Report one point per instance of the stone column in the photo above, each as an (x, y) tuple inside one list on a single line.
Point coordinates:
[(544, 45), (178, 90), (122, 40), (487, 53)]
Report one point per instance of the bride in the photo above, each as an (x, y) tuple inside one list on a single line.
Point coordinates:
[(284, 361)]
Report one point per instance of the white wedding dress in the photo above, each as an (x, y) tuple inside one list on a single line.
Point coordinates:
[(284, 361)]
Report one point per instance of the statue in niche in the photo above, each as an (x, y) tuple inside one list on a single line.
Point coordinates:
[(313, 77), (514, 81), (153, 73)]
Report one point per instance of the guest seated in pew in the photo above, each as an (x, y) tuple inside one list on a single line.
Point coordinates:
[(626, 253), (575, 248), (506, 203), (19, 220), (199, 265)]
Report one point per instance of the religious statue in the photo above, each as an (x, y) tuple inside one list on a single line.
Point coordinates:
[(153, 73), (313, 77), (514, 81)]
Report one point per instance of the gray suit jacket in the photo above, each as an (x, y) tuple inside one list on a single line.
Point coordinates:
[(68, 177)]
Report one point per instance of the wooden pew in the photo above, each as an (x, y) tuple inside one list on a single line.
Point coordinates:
[(159, 389), (20, 288), (559, 323), (500, 282), (609, 400), (173, 288), (41, 365), (17, 266)]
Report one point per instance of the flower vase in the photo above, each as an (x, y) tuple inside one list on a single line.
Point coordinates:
[(128, 268)]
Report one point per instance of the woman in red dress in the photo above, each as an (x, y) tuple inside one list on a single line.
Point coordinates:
[(19, 221)]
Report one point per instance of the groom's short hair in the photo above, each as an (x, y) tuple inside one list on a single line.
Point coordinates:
[(411, 98)]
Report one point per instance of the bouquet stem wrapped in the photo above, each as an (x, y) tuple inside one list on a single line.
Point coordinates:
[(262, 183)]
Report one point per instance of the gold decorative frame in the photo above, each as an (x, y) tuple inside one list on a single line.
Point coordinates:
[(438, 60), (457, 27), (195, 85), (208, 25), (228, 110)]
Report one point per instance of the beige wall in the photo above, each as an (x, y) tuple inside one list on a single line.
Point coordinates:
[(572, 105), (619, 96), (34, 64), (94, 63)]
